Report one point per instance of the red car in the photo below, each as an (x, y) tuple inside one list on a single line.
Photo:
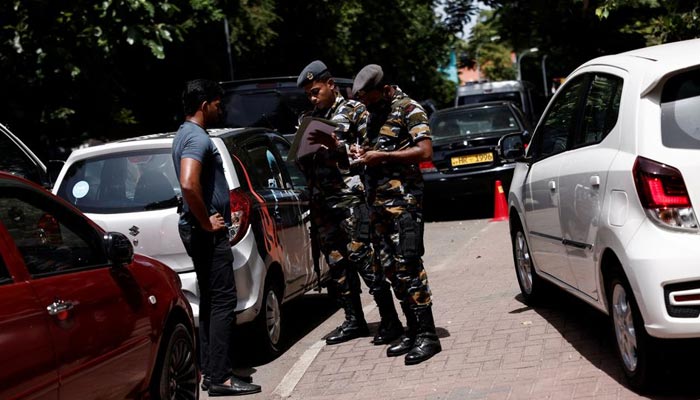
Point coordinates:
[(82, 317)]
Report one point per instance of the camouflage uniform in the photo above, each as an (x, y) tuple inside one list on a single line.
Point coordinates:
[(397, 201), (338, 207), (396, 194), (340, 215)]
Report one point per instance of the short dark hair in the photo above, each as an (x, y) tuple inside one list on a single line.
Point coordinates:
[(198, 91)]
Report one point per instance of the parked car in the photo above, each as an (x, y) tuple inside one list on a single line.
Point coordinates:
[(521, 93), (130, 186), (602, 205), (273, 103), (82, 316), (19, 160), (467, 159)]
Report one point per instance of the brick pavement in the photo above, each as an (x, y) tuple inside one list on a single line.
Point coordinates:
[(494, 347)]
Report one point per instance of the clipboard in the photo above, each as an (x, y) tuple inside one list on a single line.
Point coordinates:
[(301, 145)]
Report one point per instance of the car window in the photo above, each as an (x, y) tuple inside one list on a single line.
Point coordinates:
[(123, 182), (680, 119), (553, 132), (298, 178), (15, 161), (601, 109), (49, 239), (264, 168)]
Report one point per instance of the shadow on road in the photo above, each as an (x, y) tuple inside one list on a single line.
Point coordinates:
[(476, 207), (590, 333), (299, 317)]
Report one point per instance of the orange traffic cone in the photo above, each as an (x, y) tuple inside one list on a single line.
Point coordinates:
[(500, 205)]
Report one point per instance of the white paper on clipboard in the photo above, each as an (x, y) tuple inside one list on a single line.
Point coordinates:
[(301, 146)]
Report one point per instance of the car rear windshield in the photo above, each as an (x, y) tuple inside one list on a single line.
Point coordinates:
[(477, 122), (680, 119), (265, 105), (123, 182)]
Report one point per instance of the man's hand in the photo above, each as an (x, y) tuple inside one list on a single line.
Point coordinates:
[(372, 157), (324, 139), (216, 223)]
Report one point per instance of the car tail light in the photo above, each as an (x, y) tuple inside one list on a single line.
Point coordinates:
[(240, 215), (427, 166), (663, 194)]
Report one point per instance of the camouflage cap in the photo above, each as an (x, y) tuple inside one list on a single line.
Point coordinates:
[(369, 77), (314, 71)]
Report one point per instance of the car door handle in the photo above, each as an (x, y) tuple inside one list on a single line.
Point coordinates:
[(59, 307), (552, 185), (594, 181)]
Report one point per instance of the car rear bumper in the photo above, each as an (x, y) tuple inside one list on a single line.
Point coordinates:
[(665, 263), (249, 270), (453, 186)]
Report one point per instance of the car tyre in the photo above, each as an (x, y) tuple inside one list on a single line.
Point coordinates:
[(268, 324), (175, 376), (633, 343), (528, 280)]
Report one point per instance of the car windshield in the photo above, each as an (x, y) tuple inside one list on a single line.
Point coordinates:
[(473, 122), (124, 182)]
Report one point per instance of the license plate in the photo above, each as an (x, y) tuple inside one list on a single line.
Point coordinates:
[(472, 159)]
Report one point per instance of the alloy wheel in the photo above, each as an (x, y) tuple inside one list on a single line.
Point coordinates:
[(524, 264), (273, 318), (624, 327)]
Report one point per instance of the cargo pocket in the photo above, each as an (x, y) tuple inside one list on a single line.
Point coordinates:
[(410, 237)]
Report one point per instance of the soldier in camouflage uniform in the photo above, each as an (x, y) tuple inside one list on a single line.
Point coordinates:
[(339, 212), (400, 139)]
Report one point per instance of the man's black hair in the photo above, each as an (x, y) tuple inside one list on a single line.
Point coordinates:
[(198, 91)]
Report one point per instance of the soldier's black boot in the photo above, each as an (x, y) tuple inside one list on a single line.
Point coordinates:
[(427, 343), (390, 327), (407, 339), (354, 325)]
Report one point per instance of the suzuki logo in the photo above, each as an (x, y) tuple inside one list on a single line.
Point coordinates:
[(134, 230)]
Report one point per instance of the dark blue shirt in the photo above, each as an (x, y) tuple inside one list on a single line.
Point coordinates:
[(191, 141)]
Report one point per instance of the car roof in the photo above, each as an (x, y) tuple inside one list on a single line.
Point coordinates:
[(162, 140), (485, 104), (252, 83), (654, 63)]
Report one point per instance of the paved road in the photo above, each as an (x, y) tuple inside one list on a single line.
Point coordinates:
[(494, 346)]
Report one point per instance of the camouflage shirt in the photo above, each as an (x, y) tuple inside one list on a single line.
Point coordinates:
[(331, 179), (405, 124)]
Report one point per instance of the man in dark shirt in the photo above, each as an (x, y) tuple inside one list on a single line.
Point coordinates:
[(203, 228)]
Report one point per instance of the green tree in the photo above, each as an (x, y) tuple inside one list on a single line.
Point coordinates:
[(490, 52)]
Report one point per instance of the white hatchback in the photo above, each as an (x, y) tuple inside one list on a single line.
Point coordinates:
[(601, 205), (130, 187)]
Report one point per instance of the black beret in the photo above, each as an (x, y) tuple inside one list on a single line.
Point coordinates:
[(369, 77), (314, 71)]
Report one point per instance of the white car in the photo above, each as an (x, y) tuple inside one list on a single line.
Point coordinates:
[(130, 186), (601, 205)]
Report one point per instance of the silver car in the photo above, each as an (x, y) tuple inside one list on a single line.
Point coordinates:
[(130, 186)]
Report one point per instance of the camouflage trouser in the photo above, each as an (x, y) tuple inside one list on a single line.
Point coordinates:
[(398, 242), (345, 243)]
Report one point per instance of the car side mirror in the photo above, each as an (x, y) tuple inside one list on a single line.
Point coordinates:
[(511, 147), (118, 248)]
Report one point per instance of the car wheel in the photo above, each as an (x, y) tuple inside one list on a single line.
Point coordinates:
[(631, 337), (530, 284), (175, 376), (268, 323)]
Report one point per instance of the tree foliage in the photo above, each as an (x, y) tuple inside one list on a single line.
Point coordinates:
[(115, 68)]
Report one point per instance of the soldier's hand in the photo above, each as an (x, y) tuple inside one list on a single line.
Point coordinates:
[(371, 158), (322, 138)]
